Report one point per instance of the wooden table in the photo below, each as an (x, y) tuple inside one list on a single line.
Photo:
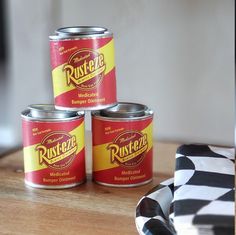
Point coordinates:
[(86, 209)]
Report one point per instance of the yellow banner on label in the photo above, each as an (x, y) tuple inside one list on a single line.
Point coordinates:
[(101, 155), (31, 158), (60, 85)]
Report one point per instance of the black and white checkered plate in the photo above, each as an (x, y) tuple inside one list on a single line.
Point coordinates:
[(152, 212), (199, 200)]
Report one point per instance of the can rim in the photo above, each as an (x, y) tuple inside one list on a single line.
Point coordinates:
[(62, 186), (80, 32), (92, 108), (124, 111), (48, 112)]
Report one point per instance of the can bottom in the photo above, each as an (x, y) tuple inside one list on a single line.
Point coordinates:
[(124, 185), (86, 108), (53, 186)]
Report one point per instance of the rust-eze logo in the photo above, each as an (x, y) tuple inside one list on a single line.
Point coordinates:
[(57, 150), (129, 148), (85, 69)]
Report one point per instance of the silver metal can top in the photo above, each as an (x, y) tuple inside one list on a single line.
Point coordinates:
[(125, 110), (48, 112), (81, 32)]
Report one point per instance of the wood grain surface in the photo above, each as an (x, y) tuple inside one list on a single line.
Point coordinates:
[(86, 209)]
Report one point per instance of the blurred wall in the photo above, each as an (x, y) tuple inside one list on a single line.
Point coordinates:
[(28, 65), (175, 56)]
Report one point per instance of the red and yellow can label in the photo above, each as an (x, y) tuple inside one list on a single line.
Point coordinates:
[(122, 151), (54, 152), (83, 72)]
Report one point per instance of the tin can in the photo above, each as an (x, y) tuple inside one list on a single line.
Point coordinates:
[(53, 140), (122, 145), (83, 68)]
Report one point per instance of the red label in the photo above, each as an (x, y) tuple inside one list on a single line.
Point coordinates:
[(122, 151), (83, 72), (54, 152)]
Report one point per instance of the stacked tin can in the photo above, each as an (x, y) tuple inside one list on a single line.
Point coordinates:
[(83, 74)]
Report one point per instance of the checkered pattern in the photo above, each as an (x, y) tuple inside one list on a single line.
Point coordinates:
[(152, 212), (203, 199)]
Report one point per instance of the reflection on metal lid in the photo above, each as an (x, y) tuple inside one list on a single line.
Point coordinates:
[(81, 30), (125, 110), (48, 111)]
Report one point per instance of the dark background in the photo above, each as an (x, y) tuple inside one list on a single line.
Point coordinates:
[(3, 33)]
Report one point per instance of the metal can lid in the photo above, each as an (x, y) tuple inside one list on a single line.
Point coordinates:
[(80, 31), (126, 110), (48, 112)]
